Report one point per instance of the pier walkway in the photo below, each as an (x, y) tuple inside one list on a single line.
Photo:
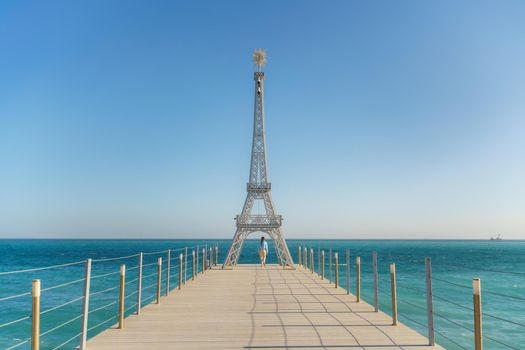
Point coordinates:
[(259, 308)]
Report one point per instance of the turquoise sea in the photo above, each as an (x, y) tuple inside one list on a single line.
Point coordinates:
[(499, 264)]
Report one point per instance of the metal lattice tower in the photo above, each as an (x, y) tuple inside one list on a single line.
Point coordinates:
[(258, 187)]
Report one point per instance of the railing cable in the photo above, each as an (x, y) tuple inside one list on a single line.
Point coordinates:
[(411, 319), (17, 345), (412, 304), (131, 294), (503, 319), (15, 321), (484, 269), (414, 289), (116, 258), (104, 290), (62, 285), (131, 281), (61, 305), (149, 275), (105, 275), (452, 302), (450, 340), (180, 249), (452, 283), (150, 297), (15, 296), (67, 341), (453, 322), (101, 323), (515, 297), (148, 287), (152, 253), (131, 307), (103, 307), (500, 342), (504, 295), (42, 268), (61, 325), (149, 264)]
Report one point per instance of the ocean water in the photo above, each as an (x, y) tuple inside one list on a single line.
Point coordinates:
[(500, 265)]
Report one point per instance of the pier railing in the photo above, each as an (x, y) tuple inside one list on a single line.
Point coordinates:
[(63, 312), (107, 291), (389, 287)]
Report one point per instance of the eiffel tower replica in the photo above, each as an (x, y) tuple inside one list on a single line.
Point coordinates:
[(258, 187)]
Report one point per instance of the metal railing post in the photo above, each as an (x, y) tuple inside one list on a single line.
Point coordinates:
[(185, 264), (478, 326), (159, 278), (394, 293), (322, 264), (197, 265), (312, 267), (309, 257), (336, 267), (376, 282), (139, 284), (203, 259), (85, 305), (347, 271), (193, 264), (168, 263), (217, 255), (35, 315), (121, 296), (305, 258), (430, 306), (330, 265), (180, 271), (211, 258), (299, 253), (318, 260), (358, 278)]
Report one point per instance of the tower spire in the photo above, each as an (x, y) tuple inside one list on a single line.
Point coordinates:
[(258, 187), (259, 58)]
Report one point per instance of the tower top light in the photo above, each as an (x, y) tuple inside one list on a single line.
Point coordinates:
[(259, 58)]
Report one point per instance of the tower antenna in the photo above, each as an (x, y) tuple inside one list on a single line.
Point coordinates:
[(259, 58)]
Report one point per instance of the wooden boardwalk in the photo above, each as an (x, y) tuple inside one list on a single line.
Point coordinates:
[(255, 308)]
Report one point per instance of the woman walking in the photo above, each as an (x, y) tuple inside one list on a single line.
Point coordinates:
[(263, 251)]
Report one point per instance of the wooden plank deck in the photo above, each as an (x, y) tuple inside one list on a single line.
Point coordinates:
[(255, 308)]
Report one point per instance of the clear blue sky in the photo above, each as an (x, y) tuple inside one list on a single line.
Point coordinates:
[(385, 119)]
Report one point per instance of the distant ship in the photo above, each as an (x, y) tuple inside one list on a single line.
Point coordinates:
[(497, 238)]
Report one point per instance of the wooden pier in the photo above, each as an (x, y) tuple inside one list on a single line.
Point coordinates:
[(251, 307)]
